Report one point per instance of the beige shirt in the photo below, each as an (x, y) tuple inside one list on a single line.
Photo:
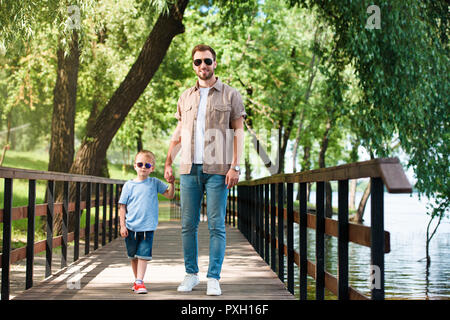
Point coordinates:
[(224, 104)]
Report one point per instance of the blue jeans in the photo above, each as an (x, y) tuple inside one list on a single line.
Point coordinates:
[(192, 187)]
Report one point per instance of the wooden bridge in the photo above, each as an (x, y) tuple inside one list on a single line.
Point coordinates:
[(106, 273), (260, 254)]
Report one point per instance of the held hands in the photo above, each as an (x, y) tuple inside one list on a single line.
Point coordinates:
[(168, 173), (232, 178)]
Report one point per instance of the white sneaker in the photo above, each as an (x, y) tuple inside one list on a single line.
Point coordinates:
[(189, 282), (213, 287)]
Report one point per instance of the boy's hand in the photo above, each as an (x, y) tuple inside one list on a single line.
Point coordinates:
[(123, 231), (170, 192)]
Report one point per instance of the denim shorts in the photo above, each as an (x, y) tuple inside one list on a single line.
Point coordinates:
[(139, 244)]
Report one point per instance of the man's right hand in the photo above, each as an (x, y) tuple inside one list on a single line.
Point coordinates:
[(168, 173)]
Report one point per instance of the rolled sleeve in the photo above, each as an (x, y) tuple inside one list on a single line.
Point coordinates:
[(178, 113), (237, 106)]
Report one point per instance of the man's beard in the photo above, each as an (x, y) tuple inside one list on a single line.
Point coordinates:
[(205, 77)]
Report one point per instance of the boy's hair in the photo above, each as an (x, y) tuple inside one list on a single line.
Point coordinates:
[(148, 154), (203, 47)]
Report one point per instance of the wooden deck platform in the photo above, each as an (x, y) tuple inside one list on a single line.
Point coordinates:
[(106, 273)]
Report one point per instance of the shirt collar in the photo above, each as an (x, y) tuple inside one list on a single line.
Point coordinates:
[(217, 85)]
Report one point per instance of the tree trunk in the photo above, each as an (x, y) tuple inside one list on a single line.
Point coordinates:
[(353, 182), (328, 190), (297, 141), (248, 165), (328, 200), (429, 237), (8, 133), (280, 154), (358, 218), (306, 165), (139, 143), (351, 201), (62, 138), (64, 106), (92, 152), (285, 140)]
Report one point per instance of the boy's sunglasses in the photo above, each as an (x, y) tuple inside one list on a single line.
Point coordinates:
[(141, 164), (198, 62)]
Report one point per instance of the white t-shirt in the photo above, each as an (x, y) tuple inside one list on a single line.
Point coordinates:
[(199, 141)]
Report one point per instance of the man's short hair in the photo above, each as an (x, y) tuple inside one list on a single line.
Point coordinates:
[(203, 47)]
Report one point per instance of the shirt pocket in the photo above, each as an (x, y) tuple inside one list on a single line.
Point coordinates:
[(187, 116), (221, 115)]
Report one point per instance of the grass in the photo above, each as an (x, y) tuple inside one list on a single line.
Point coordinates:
[(38, 160)]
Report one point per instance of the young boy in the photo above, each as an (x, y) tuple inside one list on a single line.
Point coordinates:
[(139, 214)]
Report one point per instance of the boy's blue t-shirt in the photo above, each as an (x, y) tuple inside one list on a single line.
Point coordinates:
[(141, 199)]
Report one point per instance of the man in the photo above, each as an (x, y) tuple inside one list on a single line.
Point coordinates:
[(210, 135)]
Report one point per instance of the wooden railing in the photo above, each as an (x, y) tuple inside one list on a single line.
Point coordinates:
[(103, 197), (263, 215)]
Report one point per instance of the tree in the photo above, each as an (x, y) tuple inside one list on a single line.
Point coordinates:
[(93, 148), (25, 60), (62, 143), (273, 65), (403, 75)]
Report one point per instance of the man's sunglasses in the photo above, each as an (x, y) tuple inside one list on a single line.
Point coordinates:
[(198, 62), (141, 164)]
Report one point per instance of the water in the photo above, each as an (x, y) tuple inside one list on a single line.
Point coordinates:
[(405, 267)]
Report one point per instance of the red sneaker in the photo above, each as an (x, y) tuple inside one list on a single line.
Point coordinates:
[(139, 288)]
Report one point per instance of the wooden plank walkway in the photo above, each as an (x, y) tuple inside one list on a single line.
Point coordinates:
[(106, 273)]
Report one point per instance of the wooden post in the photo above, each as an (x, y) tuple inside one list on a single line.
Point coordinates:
[(290, 236), (49, 242), (343, 240), (111, 209), (30, 232), (273, 214), (266, 223), (377, 238), (116, 220), (320, 240), (261, 220), (281, 231), (64, 226), (105, 212), (303, 242), (87, 230), (97, 214), (76, 249), (6, 245)]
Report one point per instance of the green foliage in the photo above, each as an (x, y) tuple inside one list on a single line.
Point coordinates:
[(374, 86), (25, 82), (403, 71)]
